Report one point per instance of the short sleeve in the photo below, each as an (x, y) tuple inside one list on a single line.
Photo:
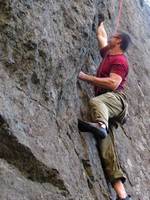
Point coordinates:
[(120, 70)]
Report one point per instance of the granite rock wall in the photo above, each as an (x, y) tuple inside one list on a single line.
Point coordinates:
[(43, 46)]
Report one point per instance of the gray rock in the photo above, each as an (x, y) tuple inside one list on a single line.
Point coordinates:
[(43, 46)]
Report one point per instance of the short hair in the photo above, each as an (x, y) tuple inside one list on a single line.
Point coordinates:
[(125, 40)]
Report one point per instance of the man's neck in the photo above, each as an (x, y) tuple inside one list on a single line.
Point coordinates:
[(115, 51)]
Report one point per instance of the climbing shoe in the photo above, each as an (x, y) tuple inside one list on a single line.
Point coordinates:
[(101, 18), (127, 198), (96, 128)]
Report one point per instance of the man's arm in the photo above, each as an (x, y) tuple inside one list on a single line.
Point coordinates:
[(112, 82), (102, 36)]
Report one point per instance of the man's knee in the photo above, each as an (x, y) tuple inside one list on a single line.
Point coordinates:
[(94, 101)]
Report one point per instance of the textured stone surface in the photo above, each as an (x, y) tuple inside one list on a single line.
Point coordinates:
[(43, 46)]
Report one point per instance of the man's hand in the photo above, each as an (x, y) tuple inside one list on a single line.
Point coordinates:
[(84, 77), (112, 82)]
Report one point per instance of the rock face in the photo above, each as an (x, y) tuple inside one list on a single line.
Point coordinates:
[(43, 46)]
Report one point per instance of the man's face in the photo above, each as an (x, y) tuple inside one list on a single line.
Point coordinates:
[(114, 41)]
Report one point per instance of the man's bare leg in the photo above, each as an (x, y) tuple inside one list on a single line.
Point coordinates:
[(120, 189)]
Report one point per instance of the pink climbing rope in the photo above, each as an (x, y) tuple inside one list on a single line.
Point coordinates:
[(119, 16), (112, 11)]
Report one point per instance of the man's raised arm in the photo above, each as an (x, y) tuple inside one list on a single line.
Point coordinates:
[(102, 35)]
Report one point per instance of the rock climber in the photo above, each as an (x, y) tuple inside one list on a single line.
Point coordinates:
[(109, 104)]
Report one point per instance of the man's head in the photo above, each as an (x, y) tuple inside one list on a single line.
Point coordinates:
[(122, 40), (125, 41)]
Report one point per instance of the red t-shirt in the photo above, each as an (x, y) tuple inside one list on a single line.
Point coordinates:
[(117, 64)]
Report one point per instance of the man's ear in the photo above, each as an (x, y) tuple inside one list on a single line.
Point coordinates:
[(119, 41)]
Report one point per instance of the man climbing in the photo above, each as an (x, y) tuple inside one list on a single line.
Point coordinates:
[(109, 104)]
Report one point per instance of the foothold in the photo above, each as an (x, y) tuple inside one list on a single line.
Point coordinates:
[(142, 3), (34, 78), (109, 14), (2, 121), (93, 24), (31, 45), (93, 27)]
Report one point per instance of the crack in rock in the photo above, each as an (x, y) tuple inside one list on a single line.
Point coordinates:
[(23, 159)]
